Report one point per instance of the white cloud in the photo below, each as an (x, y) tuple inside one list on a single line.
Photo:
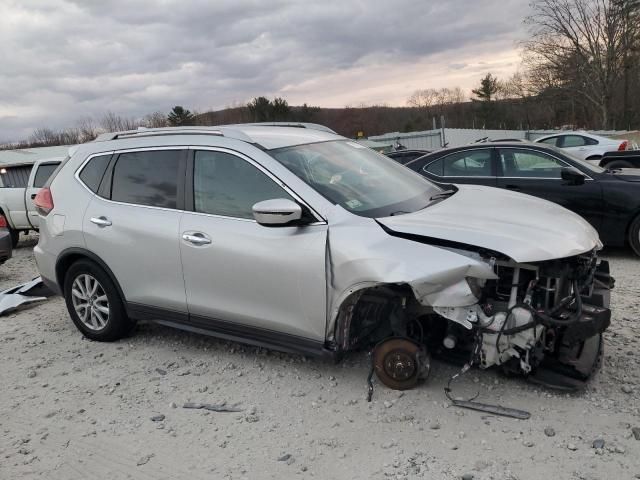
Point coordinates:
[(64, 60)]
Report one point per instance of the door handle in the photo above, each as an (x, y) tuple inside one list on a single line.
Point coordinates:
[(512, 187), (196, 238), (101, 221)]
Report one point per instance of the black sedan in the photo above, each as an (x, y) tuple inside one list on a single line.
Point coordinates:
[(609, 200)]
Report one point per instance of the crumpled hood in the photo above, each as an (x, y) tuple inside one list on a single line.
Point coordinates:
[(523, 227)]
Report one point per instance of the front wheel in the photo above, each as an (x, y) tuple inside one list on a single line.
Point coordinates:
[(634, 235), (94, 304)]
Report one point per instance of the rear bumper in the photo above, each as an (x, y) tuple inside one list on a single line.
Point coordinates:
[(46, 263), (6, 250)]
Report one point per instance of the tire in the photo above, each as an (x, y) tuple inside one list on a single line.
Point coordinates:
[(618, 164), (100, 316), (15, 237), (634, 235)]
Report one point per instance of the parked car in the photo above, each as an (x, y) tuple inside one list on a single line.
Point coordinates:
[(405, 156), (608, 200), (301, 240), (18, 187), (584, 145), (6, 245), (623, 159)]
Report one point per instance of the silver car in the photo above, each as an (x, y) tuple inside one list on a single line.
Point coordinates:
[(297, 239)]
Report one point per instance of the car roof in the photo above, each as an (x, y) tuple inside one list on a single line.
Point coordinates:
[(267, 136)]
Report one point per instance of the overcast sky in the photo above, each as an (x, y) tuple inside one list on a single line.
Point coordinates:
[(67, 59)]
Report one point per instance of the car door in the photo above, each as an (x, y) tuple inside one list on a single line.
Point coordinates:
[(241, 277), (133, 223), (538, 173), (39, 176), (577, 145), (474, 166)]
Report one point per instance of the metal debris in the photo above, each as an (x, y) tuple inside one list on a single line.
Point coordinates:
[(24, 294), (482, 407)]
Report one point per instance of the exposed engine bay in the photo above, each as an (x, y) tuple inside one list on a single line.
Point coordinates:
[(543, 320)]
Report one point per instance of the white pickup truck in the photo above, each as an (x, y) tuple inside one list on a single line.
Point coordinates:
[(19, 184)]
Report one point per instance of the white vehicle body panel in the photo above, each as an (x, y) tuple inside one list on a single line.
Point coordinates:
[(523, 227), (587, 151), (17, 203)]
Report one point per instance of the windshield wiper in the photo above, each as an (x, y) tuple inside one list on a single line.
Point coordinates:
[(441, 195), (399, 212)]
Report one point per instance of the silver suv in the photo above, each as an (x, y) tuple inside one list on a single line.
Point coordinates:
[(295, 238)]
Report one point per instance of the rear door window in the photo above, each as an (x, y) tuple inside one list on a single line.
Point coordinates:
[(468, 163), (227, 185), (147, 178), (572, 141)]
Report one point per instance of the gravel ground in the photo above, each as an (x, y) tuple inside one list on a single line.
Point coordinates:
[(75, 409)]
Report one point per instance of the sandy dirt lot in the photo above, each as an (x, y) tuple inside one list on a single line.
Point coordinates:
[(75, 409)]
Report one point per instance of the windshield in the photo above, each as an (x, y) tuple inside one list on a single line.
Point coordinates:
[(357, 178), (583, 163)]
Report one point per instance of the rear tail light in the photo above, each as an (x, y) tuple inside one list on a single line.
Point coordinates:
[(623, 145), (3, 221), (43, 201)]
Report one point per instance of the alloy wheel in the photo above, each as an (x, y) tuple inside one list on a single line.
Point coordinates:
[(90, 302)]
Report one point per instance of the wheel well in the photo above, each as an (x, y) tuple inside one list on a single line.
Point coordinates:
[(67, 259), (370, 311), (628, 229)]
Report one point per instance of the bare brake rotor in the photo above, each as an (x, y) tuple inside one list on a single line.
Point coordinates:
[(399, 363)]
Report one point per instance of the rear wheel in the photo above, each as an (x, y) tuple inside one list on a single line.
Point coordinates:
[(619, 164), (15, 237), (94, 304), (634, 235)]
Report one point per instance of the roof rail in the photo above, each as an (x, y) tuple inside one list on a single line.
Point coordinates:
[(310, 126), (151, 132)]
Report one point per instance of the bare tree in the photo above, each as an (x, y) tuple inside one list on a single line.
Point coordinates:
[(155, 120), (110, 122), (87, 130), (578, 45)]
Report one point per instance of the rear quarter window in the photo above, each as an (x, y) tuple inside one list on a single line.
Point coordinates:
[(92, 173), (434, 168), (43, 173)]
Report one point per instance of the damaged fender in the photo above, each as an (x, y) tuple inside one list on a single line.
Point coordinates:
[(437, 276)]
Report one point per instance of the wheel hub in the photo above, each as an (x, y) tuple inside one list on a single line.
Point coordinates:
[(399, 365), (400, 362)]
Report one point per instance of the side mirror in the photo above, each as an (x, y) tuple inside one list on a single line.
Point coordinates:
[(279, 211), (572, 177)]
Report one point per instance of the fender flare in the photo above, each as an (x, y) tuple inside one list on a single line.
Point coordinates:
[(68, 256)]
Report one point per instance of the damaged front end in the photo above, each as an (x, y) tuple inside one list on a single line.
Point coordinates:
[(540, 319)]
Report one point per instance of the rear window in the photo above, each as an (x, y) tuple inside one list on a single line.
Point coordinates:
[(147, 178), (16, 177), (43, 173), (92, 173)]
